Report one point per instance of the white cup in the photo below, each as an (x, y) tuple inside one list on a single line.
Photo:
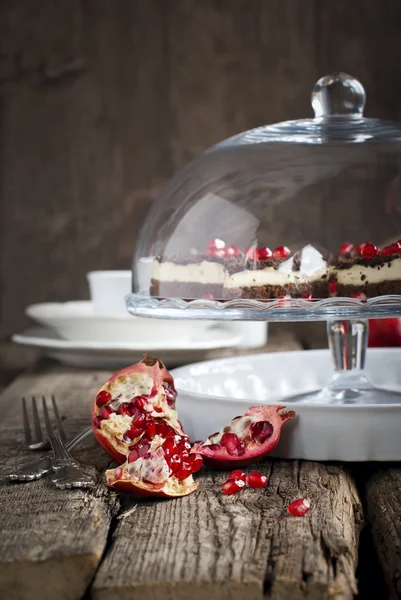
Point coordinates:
[(108, 290)]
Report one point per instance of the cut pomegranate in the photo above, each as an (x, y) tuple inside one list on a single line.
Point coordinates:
[(346, 248), (299, 508), (263, 253), (232, 486), (281, 252), (139, 426), (246, 439)]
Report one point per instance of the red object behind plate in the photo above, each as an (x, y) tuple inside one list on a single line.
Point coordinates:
[(384, 333)]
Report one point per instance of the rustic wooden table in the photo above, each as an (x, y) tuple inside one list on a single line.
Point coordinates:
[(57, 545)]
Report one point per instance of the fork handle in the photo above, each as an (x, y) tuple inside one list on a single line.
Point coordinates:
[(62, 457), (78, 438)]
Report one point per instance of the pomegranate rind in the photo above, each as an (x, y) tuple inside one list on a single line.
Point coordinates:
[(173, 488), (254, 453)]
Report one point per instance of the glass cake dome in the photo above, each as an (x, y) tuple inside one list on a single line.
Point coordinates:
[(297, 218)]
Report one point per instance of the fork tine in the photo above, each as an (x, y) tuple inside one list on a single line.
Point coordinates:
[(48, 425), (36, 420), (59, 422), (27, 429)]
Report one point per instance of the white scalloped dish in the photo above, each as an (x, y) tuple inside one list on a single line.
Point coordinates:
[(213, 392)]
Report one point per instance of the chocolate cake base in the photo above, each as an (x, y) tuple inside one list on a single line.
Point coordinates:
[(186, 291), (271, 292), (371, 290)]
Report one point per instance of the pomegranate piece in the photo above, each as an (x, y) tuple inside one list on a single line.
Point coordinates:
[(137, 424), (281, 252), (216, 248), (394, 248), (333, 288), (231, 251), (263, 253), (368, 250), (256, 480), (346, 248), (299, 508), (246, 439), (232, 486)]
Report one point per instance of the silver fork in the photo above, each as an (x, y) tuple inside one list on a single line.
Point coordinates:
[(39, 467)]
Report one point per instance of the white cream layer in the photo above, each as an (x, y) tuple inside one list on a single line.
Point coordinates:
[(377, 274), (203, 272)]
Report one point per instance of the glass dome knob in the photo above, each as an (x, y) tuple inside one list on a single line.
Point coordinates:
[(338, 94)]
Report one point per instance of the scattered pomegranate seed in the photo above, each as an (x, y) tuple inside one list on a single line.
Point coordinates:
[(281, 252), (263, 253), (237, 474), (97, 421), (368, 250), (140, 403), (346, 248), (231, 251), (232, 486), (256, 480), (105, 412), (261, 431), (333, 288), (102, 398), (299, 508)]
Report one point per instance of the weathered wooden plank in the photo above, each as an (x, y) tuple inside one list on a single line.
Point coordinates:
[(208, 545), (51, 540), (383, 501)]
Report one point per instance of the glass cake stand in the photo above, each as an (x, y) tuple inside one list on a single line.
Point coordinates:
[(347, 332)]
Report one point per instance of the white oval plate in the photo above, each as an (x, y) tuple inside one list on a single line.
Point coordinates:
[(78, 321), (114, 355), (213, 392)]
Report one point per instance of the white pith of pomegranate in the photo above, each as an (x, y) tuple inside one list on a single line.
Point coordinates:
[(135, 421), (246, 439)]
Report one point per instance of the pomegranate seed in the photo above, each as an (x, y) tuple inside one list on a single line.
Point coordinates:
[(133, 455), (263, 253), (164, 430), (368, 250), (102, 398), (359, 295), (307, 296), (359, 248), (232, 486), (158, 409), (215, 246), (97, 421), (386, 251), (196, 461), (105, 412), (251, 254), (333, 288), (299, 508), (230, 442), (169, 444), (125, 409), (261, 431), (346, 248), (143, 449), (237, 474), (140, 403), (118, 473), (151, 429), (281, 252), (231, 251), (213, 447), (170, 392), (184, 471), (256, 480), (394, 248), (173, 461)]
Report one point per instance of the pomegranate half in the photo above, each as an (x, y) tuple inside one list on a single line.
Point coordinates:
[(246, 439), (135, 421)]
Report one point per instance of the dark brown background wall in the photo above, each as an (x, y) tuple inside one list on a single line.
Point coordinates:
[(103, 100)]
